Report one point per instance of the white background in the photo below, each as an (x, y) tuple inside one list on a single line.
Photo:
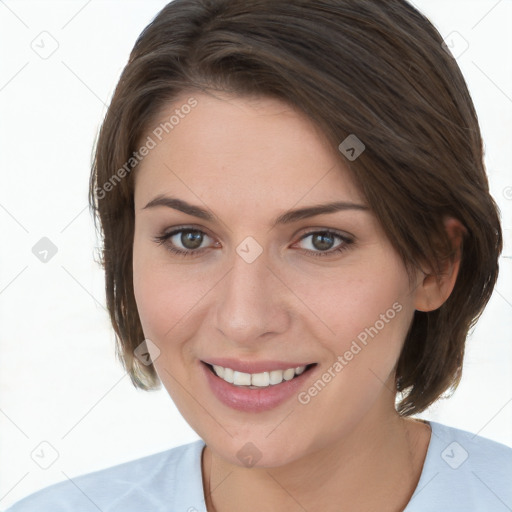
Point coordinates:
[(59, 379)]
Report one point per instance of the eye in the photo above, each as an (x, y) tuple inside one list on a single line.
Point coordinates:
[(183, 241), (323, 243), (191, 242)]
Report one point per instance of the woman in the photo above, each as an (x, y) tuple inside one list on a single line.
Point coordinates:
[(298, 235)]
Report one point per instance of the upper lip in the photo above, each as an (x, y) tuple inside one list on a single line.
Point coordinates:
[(253, 366)]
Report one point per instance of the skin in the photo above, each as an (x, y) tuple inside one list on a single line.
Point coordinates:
[(248, 160)]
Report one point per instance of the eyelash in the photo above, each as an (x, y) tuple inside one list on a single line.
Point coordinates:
[(164, 240)]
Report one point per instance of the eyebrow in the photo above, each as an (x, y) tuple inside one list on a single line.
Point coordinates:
[(286, 218)]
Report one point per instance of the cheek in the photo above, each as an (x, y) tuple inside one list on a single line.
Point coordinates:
[(161, 302), (154, 294), (163, 298), (363, 318), (166, 295), (363, 302)]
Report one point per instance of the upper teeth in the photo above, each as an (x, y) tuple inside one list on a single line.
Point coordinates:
[(261, 380)]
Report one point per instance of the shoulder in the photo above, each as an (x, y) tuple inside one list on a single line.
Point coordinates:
[(463, 471), (471, 452), (148, 483)]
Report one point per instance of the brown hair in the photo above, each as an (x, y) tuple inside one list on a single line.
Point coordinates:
[(376, 69)]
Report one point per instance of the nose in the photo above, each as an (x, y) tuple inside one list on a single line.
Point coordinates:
[(251, 302)]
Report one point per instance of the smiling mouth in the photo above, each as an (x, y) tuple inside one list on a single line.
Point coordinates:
[(257, 380)]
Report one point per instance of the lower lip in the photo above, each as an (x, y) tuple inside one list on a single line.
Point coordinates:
[(254, 400)]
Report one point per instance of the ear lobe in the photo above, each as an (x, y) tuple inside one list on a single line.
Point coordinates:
[(433, 290)]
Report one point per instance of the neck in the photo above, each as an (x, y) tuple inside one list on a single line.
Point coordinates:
[(374, 466)]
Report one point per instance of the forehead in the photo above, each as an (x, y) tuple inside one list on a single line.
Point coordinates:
[(241, 151)]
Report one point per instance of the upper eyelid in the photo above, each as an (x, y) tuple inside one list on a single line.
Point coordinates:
[(189, 227)]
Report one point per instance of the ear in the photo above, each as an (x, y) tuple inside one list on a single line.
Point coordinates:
[(433, 290)]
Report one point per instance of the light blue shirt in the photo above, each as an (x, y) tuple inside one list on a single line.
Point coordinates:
[(462, 472)]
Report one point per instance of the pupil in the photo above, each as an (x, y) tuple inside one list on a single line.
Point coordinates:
[(191, 239), (323, 241)]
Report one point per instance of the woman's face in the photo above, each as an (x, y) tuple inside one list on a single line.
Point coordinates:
[(261, 288)]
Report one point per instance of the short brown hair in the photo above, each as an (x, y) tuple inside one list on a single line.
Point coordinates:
[(376, 69)]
